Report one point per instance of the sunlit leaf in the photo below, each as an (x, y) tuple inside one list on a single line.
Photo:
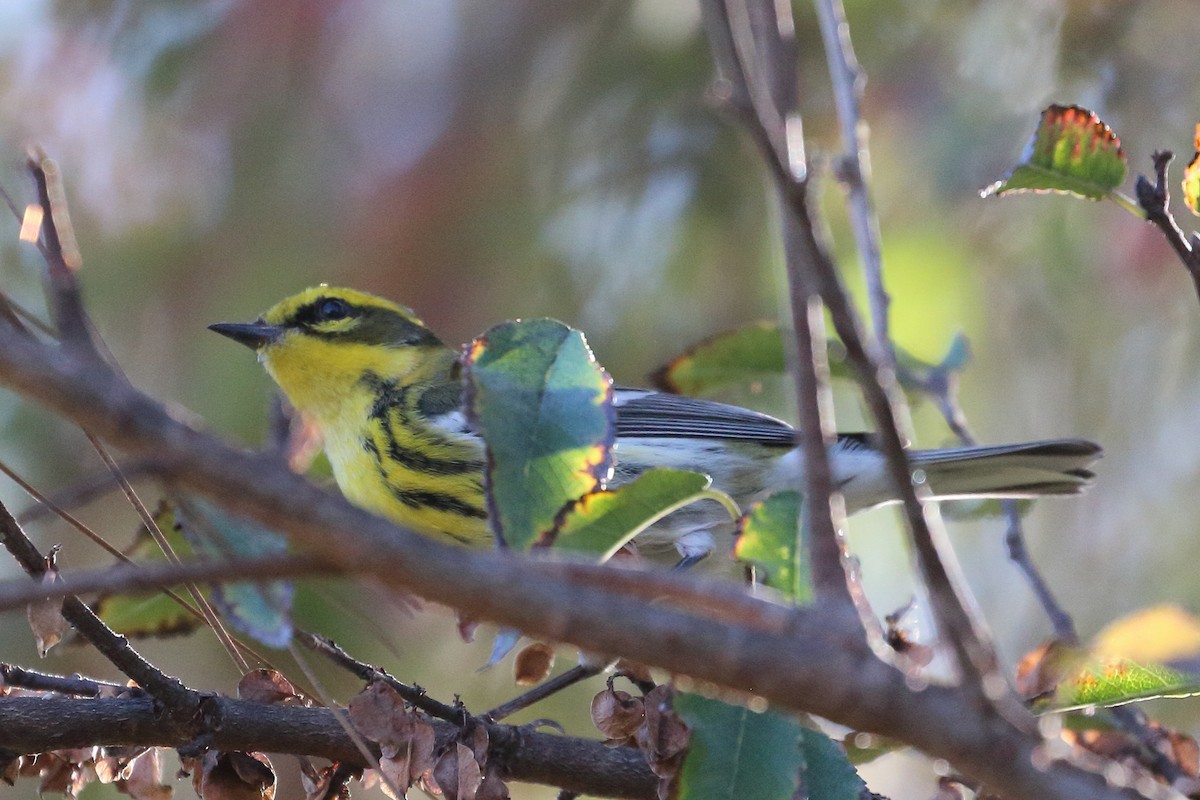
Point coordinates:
[(1111, 683), (1072, 152), (1191, 178), (769, 538), (602, 522), (740, 356), (544, 408), (261, 610)]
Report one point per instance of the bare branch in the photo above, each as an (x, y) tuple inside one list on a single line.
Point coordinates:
[(38, 724)]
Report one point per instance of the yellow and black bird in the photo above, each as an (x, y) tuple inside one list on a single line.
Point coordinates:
[(383, 391)]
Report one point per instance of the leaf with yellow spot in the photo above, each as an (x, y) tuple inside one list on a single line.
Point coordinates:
[(1191, 178), (544, 408), (769, 537)]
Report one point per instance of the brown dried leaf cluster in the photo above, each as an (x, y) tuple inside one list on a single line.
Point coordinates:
[(136, 772), (458, 770), (650, 724), (226, 775)]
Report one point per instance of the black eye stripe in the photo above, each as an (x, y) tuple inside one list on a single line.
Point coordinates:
[(323, 309)]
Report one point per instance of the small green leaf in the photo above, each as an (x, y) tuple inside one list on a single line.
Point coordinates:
[(602, 522), (1072, 152), (737, 753), (544, 408), (261, 610), (1191, 178), (769, 537), (150, 614)]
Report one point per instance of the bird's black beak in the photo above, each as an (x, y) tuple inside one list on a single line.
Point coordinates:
[(254, 335)]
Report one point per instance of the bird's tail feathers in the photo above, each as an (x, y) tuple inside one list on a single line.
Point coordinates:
[(1030, 469)]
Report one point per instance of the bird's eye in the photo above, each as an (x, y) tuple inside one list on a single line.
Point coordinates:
[(332, 308)]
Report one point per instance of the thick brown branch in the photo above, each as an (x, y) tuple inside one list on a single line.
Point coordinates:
[(38, 724)]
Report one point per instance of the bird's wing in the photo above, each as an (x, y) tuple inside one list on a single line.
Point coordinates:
[(645, 413)]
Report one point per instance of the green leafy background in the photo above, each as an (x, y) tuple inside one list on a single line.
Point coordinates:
[(481, 162)]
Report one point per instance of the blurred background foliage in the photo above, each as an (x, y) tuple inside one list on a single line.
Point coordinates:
[(482, 161)]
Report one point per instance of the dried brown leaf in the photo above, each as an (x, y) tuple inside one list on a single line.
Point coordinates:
[(45, 617), (405, 738), (65, 772), (268, 686), (663, 738), (457, 774), (533, 664), (492, 787), (617, 714), (225, 775), (403, 764), (143, 778)]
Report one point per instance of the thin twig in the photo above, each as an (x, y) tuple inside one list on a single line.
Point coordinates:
[(76, 685), (854, 165), (1154, 199), (414, 695)]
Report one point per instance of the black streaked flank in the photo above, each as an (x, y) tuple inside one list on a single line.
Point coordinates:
[(437, 501)]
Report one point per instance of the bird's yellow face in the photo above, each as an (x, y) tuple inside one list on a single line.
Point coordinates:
[(320, 344)]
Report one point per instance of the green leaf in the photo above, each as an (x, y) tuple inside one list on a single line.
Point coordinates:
[(755, 351), (828, 773), (544, 408), (153, 614), (737, 753), (1116, 682), (261, 610), (769, 537), (740, 356), (1072, 152), (602, 522)]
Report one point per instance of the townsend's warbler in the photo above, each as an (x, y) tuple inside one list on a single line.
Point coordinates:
[(384, 393)]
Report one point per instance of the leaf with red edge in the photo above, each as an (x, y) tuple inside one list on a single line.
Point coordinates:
[(1191, 178), (1072, 152)]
